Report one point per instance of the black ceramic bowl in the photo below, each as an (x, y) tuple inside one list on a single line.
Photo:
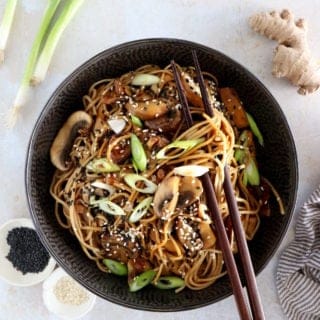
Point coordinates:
[(277, 160)]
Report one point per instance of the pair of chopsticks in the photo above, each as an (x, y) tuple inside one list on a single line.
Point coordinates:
[(245, 313)]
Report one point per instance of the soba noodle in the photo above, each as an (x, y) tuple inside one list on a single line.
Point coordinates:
[(176, 240)]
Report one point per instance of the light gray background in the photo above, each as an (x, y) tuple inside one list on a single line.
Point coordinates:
[(101, 24)]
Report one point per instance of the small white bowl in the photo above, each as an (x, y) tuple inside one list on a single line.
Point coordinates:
[(64, 310), (7, 271)]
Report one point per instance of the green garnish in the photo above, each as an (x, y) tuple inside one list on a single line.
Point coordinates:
[(136, 121), (141, 280), (102, 165), (140, 210), (135, 167), (184, 145), (239, 155), (68, 11), (241, 152), (5, 26), (243, 156), (23, 91), (252, 172), (145, 79), (169, 282), (116, 267), (245, 177), (255, 130), (132, 179), (107, 206), (138, 153)]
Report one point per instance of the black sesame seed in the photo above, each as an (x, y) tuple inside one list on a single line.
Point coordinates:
[(27, 253)]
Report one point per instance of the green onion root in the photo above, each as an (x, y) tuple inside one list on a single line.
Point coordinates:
[(24, 88)]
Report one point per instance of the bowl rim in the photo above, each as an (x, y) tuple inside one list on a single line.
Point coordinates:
[(107, 52)]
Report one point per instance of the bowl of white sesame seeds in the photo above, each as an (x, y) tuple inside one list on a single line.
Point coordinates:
[(277, 160), (66, 298)]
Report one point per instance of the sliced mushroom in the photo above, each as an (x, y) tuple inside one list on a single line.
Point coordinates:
[(207, 235), (119, 246), (157, 142), (121, 151), (166, 123), (187, 236), (166, 196), (147, 110), (192, 90), (190, 191), (62, 143)]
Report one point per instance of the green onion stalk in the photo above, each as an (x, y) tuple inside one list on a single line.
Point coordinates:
[(5, 26), (24, 88), (54, 36)]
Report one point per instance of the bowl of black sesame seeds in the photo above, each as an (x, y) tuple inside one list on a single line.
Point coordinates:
[(24, 261)]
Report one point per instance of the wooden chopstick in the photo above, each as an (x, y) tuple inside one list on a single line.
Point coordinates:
[(214, 212), (251, 284)]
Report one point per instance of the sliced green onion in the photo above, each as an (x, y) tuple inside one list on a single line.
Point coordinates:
[(138, 153), (245, 178), (255, 130), (169, 282), (184, 145), (191, 170), (244, 138), (63, 20), (140, 210), (252, 173), (5, 26), (107, 206), (132, 179), (239, 155), (141, 280), (116, 267), (145, 79), (102, 165), (24, 88), (103, 186), (136, 121), (135, 167)]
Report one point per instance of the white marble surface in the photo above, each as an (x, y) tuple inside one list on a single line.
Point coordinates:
[(101, 24)]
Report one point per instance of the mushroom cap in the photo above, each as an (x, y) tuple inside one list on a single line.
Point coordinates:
[(176, 192), (190, 191), (147, 110), (63, 141), (188, 236), (166, 197), (167, 122), (207, 235), (119, 247)]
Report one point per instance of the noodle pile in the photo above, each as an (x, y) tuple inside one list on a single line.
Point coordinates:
[(176, 240)]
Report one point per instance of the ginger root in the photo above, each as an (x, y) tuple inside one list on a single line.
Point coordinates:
[(292, 58)]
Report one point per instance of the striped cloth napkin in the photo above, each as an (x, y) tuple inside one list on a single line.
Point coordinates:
[(298, 273)]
